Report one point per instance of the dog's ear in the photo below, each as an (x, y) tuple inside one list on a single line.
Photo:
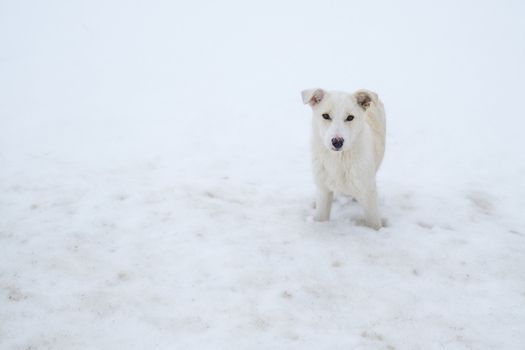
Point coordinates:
[(365, 98), (312, 96)]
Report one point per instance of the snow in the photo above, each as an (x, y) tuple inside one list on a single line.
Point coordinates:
[(155, 187)]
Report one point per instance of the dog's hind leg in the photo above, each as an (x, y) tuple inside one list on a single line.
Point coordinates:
[(323, 205)]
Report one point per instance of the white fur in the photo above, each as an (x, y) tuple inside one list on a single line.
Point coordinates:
[(352, 169)]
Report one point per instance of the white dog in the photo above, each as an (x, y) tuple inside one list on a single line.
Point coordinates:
[(348, 144)]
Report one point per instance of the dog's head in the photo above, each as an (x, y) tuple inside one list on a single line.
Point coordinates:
[(339, 117)]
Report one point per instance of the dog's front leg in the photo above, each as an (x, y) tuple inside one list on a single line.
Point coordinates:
[(371, 208), (323, 204)]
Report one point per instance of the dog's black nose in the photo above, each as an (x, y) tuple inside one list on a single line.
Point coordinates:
[(337, 142)]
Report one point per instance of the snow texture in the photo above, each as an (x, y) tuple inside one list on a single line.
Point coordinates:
[(155, 185)]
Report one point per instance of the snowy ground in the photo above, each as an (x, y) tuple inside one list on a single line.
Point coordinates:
[(155, 185)]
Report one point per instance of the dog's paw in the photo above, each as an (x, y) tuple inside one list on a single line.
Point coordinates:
[(373, 224), (318, 217), (376, 225)]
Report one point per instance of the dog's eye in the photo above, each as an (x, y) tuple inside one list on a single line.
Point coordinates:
[(326, 116), (350, 118)]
